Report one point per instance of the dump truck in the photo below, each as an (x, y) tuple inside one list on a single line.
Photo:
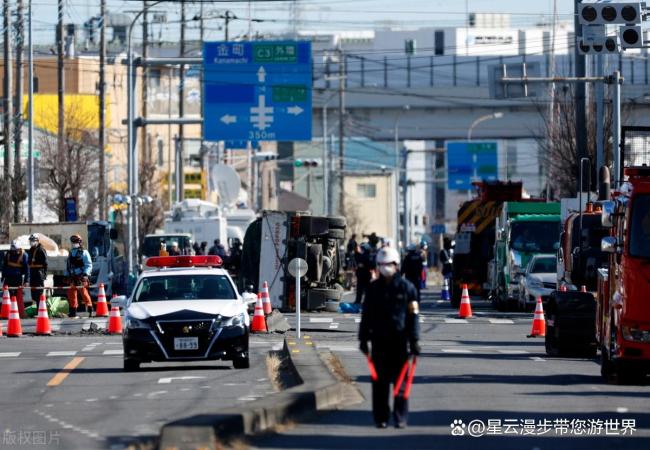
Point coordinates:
[(475, 235), (524, 229), (275, 238)]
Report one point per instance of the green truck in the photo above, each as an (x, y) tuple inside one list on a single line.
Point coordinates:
[(524, 229)]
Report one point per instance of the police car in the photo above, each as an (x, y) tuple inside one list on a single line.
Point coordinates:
[(186, 309)]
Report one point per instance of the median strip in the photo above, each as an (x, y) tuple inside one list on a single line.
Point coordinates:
[(67, 370)]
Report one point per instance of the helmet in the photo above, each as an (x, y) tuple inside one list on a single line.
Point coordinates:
[(76, 239), (411, 247), (33, 237), (14, 245), (387, 255)]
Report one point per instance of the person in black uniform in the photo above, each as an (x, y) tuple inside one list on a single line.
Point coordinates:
[(390, 322), (15, 274), (37, 261), (365, 264), (412, 267)]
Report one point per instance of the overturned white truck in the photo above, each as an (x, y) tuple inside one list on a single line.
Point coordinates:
[(276, 238)]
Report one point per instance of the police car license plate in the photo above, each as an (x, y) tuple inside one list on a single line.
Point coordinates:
[(186, 343)]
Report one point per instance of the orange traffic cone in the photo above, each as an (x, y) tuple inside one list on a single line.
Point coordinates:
[(43, 326), (266, 300), (539, 323), (6, 303), (465, 306), (102, 306), (14, 328), (259, 322), (0, 329), (583, 288), (115, 321)]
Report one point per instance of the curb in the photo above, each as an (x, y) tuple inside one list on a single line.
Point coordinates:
[(319, 390)]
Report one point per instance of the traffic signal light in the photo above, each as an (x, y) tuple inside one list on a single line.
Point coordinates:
[(606, 13), (594, 40), (306, 162), (631, 36)]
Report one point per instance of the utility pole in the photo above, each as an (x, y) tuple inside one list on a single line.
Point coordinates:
[(341, 129), (60, 79), (30, 129), (580, 71), (145, 83), (102, 112), (7, 100), (18, 107), (228, 16), (180, 194)]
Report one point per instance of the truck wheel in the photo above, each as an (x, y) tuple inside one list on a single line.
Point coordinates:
[(131, 365), (337, 222), (336, 233), (242, 362), (316, 298)]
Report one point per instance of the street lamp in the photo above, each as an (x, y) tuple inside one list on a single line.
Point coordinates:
[(132, 156), (496, 115), (326, 160), (397, 178)]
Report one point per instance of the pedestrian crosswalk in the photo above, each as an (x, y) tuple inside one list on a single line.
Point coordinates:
[(334, 322)]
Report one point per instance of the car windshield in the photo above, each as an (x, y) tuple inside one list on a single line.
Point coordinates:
[(537, 237), (640, 227), (544, 265), (184, 287)]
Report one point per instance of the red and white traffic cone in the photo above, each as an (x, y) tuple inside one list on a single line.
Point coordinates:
[(102, 306), (259, 322), (266, 300), (539, 323), (583, 288), (43, 326), (14, 327), (115, 321), (6, 303), (465, 305)]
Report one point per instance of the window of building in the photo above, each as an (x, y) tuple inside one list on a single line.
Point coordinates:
[(366, 190), (425, 220), (439, 42), (416, 220), (35, 80)]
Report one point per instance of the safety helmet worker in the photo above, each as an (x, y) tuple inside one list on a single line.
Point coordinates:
[(411, 247), (76, 239), (14, 245), (33, 237), (387, 255)]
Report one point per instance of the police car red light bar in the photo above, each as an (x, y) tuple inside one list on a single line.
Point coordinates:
[(185, 261)]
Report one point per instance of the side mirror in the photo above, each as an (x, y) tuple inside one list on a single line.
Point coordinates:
[(607, 217), (608, 244), (119, 301), (112, 234)]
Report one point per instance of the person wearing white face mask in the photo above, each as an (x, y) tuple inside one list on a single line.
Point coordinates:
[(389, 320), (37, 262), (78, 268)]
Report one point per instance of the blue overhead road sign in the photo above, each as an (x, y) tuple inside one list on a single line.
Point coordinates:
[(469, 161), (257, 91)]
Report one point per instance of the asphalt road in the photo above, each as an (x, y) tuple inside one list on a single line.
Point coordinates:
[(482, 369), (94, 405)]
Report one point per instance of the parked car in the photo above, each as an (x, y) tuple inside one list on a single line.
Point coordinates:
[(539, 280)]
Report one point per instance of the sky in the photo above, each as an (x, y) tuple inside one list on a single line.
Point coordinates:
[(327, 15)]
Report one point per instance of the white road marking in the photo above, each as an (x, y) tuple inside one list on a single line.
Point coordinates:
[(334, 326), (512, 352), (421, 319), (246, 399), (9, 354), (321, 320), (170, 379), (455, 320), (341, 348), (206, 387), (88, 349), (357, 320), (621, 409), (186, 390), (91, 400), (277, 347), (537, 359), (65, 353), (501, 321), (456, 350), (155, 393), (113, 352)]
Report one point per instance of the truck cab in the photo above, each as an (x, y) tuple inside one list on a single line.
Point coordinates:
[(623, 312)]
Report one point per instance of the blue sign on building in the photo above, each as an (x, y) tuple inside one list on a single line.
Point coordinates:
[(257, 91), (469, 161)]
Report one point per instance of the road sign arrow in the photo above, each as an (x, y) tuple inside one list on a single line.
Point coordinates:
[(295, 110), (261, 74), (228, 119)]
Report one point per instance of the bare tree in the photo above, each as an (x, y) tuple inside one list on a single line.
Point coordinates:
[(558, 145), (72, 170), (151, 215)]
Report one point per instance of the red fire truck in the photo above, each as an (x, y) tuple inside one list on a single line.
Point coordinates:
[(623, 309)]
